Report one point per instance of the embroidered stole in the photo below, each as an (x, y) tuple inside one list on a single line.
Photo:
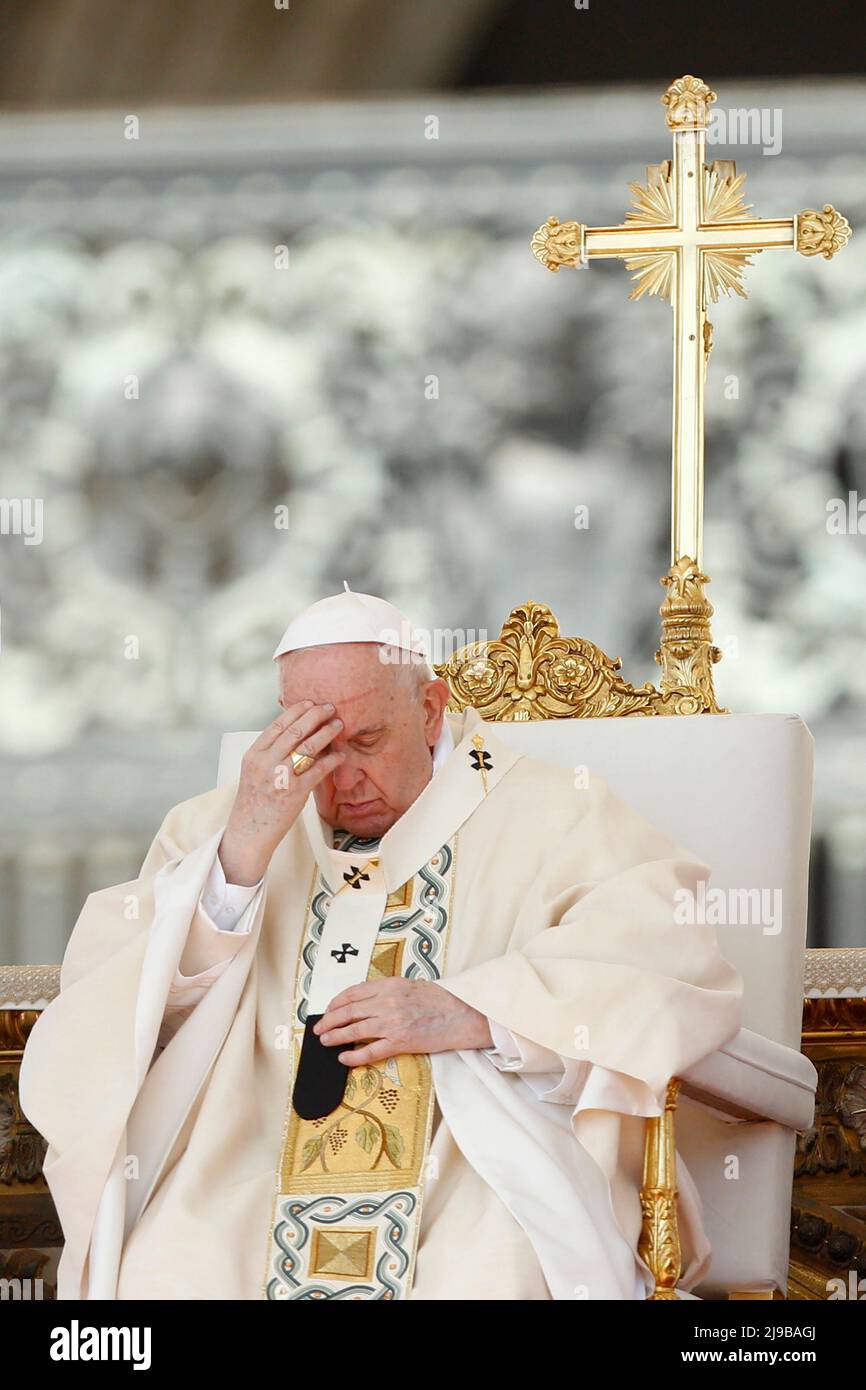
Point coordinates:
[(347, 1213)]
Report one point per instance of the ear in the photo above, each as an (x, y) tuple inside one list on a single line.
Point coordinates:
[(435, 696)]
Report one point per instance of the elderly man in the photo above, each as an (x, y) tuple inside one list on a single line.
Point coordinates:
[(381, 1019)]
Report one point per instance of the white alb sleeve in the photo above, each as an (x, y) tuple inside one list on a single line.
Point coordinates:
[(224, 914), (225, 903), (550, 1076)]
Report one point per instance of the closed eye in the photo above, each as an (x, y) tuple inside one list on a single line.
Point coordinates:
[(364, 742)]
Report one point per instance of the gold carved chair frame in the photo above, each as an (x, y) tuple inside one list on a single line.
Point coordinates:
[(532, 672)]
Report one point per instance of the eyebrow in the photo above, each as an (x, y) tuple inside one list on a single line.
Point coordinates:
[(372, 729)]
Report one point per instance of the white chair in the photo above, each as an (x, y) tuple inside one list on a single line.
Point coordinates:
[(736, 791)]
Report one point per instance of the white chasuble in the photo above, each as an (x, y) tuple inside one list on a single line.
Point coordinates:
[(177, 1163)]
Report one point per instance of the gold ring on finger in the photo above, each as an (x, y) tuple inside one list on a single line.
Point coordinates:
[(301, 762)]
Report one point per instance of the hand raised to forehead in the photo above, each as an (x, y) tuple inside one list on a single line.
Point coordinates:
[(270, 793)]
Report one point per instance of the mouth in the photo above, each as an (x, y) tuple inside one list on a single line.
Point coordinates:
[(359, 807)]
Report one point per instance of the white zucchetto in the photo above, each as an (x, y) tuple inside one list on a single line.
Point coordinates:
[(350, 617)]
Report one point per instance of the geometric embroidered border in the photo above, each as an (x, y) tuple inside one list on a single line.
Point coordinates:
[(345, 1248)]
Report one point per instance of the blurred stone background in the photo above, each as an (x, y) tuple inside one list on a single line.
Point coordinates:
[(306, 284)]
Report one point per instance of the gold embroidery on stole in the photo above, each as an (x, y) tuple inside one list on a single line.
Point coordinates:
[(349, 1186)]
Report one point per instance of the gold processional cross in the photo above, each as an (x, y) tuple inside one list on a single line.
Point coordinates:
[(688, 240)]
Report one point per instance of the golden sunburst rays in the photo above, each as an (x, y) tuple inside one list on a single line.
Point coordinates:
[(723, 273), (653, 207), (654, 273), (654, 200), (724, 202), (723, 187)]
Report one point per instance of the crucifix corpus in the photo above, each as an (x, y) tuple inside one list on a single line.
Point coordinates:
[(688, 240)]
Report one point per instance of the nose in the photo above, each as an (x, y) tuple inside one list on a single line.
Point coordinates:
[(346, 776)]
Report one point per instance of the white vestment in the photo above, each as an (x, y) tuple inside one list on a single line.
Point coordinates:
[(563, 934)]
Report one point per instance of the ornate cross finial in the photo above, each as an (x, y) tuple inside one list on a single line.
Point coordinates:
[(688, 100)]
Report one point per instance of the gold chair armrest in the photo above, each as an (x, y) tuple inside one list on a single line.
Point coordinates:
[(659, 1243)]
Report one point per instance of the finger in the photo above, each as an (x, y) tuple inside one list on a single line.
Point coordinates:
[(336, 1018), (355, 993), (374, 1052), (296, 740), (319, 771), (296, 730), (290, 731), (367, 1029), (279, 725)]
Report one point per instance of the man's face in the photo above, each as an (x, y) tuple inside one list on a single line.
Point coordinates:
[(389, 728)]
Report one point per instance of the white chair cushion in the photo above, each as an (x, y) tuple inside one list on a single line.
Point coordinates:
[(736, 790)]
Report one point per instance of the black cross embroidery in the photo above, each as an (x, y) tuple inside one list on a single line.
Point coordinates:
[(480, 760), (355, 877), (348, 950)]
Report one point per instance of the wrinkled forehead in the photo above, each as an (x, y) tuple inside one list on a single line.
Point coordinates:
[(351, 675)]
